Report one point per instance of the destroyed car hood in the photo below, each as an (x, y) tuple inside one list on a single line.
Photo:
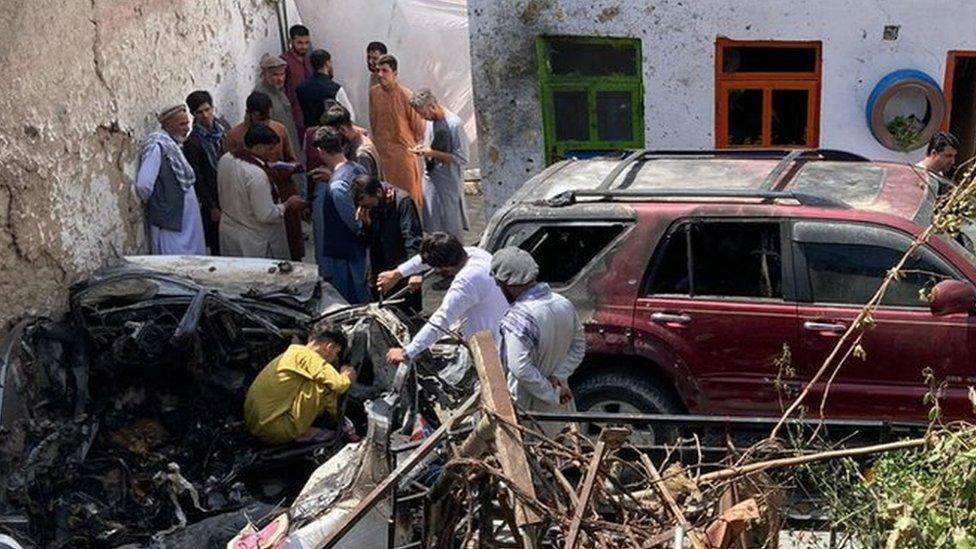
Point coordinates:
[(233, 277)]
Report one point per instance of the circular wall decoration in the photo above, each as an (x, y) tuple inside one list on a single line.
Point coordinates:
[(905, 110)]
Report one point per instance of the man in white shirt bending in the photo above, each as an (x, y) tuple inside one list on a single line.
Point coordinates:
[(474, 298)]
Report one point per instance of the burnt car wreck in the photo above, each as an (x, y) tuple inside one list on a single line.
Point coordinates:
[(122, 424)]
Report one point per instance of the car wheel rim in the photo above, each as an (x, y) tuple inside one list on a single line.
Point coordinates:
[(640, 436)]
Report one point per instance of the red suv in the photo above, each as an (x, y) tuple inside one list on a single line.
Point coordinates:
[(693, 270)]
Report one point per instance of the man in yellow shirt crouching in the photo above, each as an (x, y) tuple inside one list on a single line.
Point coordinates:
[(295, 388)]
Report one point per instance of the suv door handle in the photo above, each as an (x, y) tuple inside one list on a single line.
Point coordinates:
[(670, 318), (824, 327)]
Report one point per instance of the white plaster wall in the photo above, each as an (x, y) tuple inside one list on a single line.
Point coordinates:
[(678, 44), (82, 80)]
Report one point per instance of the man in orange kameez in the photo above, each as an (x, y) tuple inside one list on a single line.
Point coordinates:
[(282, 164), (397, 130)]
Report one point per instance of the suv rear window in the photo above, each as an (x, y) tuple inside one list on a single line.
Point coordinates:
[(562, 251), (728, 259)]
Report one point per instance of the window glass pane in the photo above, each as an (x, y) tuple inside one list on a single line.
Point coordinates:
[(850, 273), (745, 117), (925, 270), (790, 117), (854, 183), (572, 118), (769, 59), (569, 57), (716, 173), (736, 260), (671, 273), (614, 116), (562, 251)]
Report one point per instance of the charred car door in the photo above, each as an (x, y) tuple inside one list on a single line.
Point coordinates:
[(719, 295)]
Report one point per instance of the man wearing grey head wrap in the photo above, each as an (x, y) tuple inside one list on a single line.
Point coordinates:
[(542, 341), (164, 183)]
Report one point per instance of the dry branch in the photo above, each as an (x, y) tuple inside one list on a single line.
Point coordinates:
[(667, 497), (745, 470), (610, 439)]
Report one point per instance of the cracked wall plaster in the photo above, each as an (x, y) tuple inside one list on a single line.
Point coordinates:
[(82, 81), (678, 46)]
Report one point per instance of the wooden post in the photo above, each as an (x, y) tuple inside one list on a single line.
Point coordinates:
[(610, 439), (508, 441), (495, 398)]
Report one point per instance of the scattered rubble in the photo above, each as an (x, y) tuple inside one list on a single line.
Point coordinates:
[(122, 425), (489, 477)]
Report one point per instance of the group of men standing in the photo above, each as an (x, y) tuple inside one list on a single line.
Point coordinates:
[(385, 207), (299, 156)]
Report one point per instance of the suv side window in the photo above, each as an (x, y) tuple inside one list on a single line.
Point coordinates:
[(846, 263), (720, 258), (562, 251)]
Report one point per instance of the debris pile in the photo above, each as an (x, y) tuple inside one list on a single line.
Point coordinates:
[(489, 476), (127, 421), (505, 482), (121, 423)]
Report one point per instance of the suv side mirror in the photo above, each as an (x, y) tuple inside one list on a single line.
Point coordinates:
[(951, 297)]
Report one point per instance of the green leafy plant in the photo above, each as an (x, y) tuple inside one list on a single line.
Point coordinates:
[(905, 131), (922, 498)]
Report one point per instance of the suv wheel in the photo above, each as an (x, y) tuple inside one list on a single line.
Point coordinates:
[(624, 392)]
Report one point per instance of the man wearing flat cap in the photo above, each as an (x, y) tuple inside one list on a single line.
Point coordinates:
[(164, 183), (273, 84), (542, 341)]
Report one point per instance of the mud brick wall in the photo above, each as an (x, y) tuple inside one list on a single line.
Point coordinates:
[(81, 81)]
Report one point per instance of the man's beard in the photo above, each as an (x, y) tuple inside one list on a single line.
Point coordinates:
[(508, 295)]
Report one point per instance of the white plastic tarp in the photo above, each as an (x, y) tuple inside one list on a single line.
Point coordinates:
[(429, 38)]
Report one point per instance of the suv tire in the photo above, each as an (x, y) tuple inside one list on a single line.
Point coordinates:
[(623, 391)]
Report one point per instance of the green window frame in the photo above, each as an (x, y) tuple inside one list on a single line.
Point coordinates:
[(596, 94)]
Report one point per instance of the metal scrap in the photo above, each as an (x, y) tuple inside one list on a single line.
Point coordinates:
[(134, 426), (176, 485), (134, 431)]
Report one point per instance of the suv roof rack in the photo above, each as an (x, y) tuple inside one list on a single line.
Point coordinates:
[(788, 157), (568, 198)]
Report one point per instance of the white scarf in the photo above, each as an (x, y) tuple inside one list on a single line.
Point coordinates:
[(173, 154)]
